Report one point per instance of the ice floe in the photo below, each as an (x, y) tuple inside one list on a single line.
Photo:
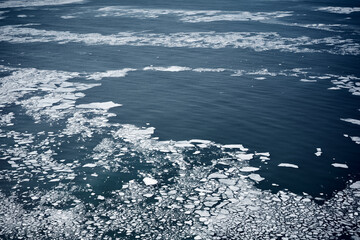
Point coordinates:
[(249, 169), (339, 165), (318, 152), (167, 69), (150, 181), (99, 105), (256, 177), (289, 165), (351, 120), (355, 139)]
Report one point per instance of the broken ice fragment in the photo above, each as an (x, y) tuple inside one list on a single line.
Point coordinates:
[(339, 165), (288, 165), (150, 181), (256, 177)]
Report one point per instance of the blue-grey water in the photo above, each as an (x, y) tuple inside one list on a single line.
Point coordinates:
[(179, 119)]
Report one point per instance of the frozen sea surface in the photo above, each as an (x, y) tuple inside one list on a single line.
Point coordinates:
[(179, 120)]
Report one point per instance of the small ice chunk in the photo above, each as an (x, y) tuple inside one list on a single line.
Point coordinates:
[(101, 197), (266, 154), (249, 169), (167, 69), (184, 144), (240, 146), (355, 185), (307, 80), (200, 141), (350, 120), (355, 139), (256, 177), (318, 152), (339, 165), (150, 181), (202, 213), (90, 165), (100, 105), (243, 156), (216, 175), (189, 206), (288, 165)]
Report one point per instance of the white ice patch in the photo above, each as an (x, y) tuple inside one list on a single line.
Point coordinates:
[(150, 181), (36, 3), (349, 82), (249, 169), (307, 80), (5, 119), (319, 26), (217, 176), (191, 16), (355, 139), (167, 69), (257, 41), (340, 165), (68, 17), (289, 165), (99, 105), (111, 74), (256, 177), (244, 157), (210, 69), (355, 185), (90, 165), (234, 146), (351, 120), (318, 152), (339, 10)]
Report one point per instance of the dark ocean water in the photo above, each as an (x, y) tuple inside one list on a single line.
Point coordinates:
[(103, 104)]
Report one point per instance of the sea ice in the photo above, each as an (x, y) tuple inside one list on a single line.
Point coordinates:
[(90, 165), (307, 80), (150, 181), (216, 175), (256, 177), (167, 69), (243, 156), (340, 10), (99, 105), (318, 152), (288, 165), (350, 120), (32, 3), (340, 165), (231, 146), (249, 169), (355, 185), (355, 139)]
